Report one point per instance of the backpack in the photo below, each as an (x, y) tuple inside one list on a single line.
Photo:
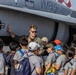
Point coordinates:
[(22, 53), (23, 67), (10, 63)]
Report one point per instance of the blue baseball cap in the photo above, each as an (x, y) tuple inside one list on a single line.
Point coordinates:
[(58, 47)]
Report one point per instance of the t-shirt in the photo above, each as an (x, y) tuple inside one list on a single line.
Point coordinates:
[(2, 64), (51, 58), (10, 62), (18, 56), (61, 61), (69, 65), (41, 61), (74, 66), (34, 62)]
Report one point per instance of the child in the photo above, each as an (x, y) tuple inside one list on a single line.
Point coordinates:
[(69, 62), (59, 65), (20, 53), (50, 59), (2, 59), (13, 47), (74, 67)]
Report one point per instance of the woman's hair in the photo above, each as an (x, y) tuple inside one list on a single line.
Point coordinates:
[(70, 55)]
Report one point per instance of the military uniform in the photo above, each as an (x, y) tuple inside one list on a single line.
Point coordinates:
[(36, 39)]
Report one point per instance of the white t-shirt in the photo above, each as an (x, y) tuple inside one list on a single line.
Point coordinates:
[(2, 64), (61, 61), (74, 66), (18, 56), (69, 65)]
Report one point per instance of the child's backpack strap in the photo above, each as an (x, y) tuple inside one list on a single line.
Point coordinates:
[(21, 52), (24, 67), (71, 63), (4, 57)]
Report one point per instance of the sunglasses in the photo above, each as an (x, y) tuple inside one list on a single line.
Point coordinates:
[(34, 31)]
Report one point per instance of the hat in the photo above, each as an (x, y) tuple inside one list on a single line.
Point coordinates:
[(57, 41), (58, 47), (38, 40), (49, 45), (33, 46), (45, 39)]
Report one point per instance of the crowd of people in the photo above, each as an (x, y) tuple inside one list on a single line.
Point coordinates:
[(31, 55)]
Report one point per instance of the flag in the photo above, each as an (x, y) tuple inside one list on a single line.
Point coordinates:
[(67, 3)]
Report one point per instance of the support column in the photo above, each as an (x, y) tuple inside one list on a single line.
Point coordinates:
[(63, 32)]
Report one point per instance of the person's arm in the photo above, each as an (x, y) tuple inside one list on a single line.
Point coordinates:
[(56, 66), (66, 68), (41, 64), (65, 72), (38, 70), (73, 72), (73, 69), (15, 37), (42, 70), (2, 74), (10, 31), (15, 64), (47, 68)]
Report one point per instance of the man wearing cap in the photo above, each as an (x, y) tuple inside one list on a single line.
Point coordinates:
[(59, 65), (50, 58), (44, 42), (34, 59)]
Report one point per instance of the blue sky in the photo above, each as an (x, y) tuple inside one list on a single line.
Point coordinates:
[(73, 2)]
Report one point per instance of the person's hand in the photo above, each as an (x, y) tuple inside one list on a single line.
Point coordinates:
[(9, 28), (44, 73), (53, 65)]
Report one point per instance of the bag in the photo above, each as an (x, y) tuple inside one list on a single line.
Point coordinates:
[(21, 52), (23, 67), (50, 74), (8, 66), (51, 70), (10, 63)]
